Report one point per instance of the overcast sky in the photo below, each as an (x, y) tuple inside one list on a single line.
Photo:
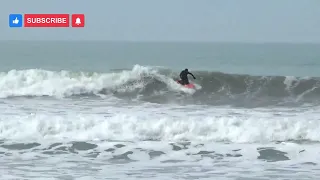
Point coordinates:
[(173, 20)]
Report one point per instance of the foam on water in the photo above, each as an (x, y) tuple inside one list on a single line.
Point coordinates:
[(163, 124), (37, 82), (156, 85), (66, 136), (161, 160)]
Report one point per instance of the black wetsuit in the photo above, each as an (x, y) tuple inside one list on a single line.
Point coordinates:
[(184, 77)]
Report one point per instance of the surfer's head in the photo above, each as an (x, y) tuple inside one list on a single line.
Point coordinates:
[(186, 70)]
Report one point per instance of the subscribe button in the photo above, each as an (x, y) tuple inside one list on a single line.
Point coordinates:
[(46, 20)]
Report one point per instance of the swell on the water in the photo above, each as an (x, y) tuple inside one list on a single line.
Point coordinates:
[(219, 126), (158, 85)]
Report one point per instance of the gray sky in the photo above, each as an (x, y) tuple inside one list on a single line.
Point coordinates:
[(173, 20)]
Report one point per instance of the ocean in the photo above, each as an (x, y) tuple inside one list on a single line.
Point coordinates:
[(112, 110)]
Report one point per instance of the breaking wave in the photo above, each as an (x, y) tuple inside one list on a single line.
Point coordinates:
[(158, 85), (245, 128)]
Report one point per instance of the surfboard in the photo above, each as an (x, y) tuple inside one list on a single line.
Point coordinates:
[(190, 85)]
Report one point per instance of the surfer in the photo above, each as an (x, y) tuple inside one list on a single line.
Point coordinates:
[(184, 77)]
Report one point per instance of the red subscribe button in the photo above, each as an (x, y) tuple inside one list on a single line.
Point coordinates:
[(53, 20)]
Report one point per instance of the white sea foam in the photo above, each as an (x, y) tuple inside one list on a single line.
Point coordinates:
[(164, 166), (37, 82), (145, 127), (162, 123)]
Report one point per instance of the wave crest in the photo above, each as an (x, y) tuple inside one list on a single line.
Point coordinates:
[(158, 85)]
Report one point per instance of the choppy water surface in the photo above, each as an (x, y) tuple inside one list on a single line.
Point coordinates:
[(140, 124)]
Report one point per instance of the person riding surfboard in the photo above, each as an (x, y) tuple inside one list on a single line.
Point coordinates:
[(184, 77)]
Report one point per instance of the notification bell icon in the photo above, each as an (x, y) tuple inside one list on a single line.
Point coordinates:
[(78, 21)]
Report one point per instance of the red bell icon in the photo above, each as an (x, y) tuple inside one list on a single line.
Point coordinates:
[(77, 20)]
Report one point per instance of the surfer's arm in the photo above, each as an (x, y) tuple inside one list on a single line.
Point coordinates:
[(192, 75)]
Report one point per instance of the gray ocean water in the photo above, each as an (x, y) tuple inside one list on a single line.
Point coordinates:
[(112, 110)]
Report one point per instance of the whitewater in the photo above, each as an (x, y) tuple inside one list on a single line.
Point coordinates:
[(139, 123)]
